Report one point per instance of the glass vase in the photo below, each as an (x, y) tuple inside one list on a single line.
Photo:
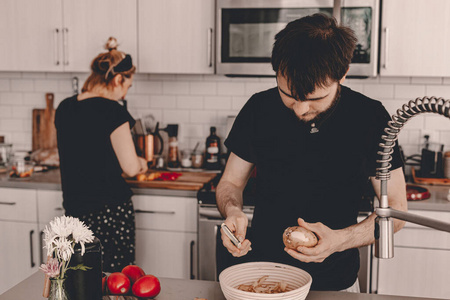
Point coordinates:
[(58, 290)]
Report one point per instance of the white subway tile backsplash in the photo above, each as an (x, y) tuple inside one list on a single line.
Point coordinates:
[(379, 91), (395, 80), (196, 102), (46, 85), (22, 85), (437, 122), (11, 98), (438, 91), (203, 117), (147, 87), (190, 102), (175, 87), (5, 111), (13, 125), (256, 87), (217, 103), (175, 116), (161, 101), (426, 80), (231, 88), (203, 88), (409, 92), (238, 102), (5, 85)]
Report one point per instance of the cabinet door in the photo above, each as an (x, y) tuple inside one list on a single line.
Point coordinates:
[(176, 36), (415, 272), (49, 205), (89, 23), (19, 252), (30, 35), (167, 254), (415, 39)]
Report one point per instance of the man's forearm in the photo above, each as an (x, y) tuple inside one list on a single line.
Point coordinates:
[(228, 196)]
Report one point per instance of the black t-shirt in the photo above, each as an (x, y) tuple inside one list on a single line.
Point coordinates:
[(320, 177), (90, 172)]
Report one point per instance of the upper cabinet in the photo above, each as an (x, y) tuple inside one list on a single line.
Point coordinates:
[(176, 36), (415, 38), (63, 35)]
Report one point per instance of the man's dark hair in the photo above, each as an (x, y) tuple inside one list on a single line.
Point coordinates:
[(311, 51)]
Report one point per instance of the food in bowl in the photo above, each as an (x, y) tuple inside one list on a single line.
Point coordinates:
[(21, 169), (296, 236), (264, 287)]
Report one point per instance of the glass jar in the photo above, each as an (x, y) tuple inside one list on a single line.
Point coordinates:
[(5, 154), (19, 168), (197, 159)]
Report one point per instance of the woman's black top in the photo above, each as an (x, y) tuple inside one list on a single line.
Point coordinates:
[(91, 176), (320, 177)]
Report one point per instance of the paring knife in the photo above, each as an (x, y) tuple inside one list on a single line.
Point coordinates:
[(230, 235)]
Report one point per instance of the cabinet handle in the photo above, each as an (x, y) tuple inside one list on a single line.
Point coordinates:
[(154, 212), (31, 248), (56, 44), (192, 275), (66, 45), (7, 203), (210, 47), (41, 246), (59, 209), (386, 47)]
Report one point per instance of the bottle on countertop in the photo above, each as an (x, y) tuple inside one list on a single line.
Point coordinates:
[(212, 151), (173, 157)]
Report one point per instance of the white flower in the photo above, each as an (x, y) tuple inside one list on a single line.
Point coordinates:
[(64, 249), (62, 226), (82, 234)]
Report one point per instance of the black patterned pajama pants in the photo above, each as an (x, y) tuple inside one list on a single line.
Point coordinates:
[(114, 226)]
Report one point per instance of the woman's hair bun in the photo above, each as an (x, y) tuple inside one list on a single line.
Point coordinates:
[(111, 44)]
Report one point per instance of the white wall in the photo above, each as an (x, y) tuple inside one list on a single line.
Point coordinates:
[(196, 102)]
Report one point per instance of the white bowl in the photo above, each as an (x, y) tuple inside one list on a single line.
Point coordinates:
[(298, 280)]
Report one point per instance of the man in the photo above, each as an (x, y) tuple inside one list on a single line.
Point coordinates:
[(314, 144)]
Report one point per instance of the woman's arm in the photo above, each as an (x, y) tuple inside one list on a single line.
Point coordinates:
[(123, 146)]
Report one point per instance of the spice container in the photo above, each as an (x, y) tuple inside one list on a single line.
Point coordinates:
[(186, 159), (447, 164), (197, 159)]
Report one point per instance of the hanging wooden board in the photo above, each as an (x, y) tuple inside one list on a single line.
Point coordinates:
[(44, 131), (191, 181)]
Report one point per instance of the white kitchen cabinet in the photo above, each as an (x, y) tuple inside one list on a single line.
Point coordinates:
[(176, 36), (415, 38), (166, 235), (49, 203), (19, 246), (421, 263), (63, 35)]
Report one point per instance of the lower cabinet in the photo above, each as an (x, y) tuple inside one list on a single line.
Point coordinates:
[(166, 235), (19, 248), (167, 254), (421, 263)]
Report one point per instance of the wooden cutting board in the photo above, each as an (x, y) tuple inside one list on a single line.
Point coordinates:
[(44, 131), (191, 181)]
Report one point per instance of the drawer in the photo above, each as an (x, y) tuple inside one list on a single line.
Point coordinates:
[(422, 238), (49, 205), (166, 213), (435, 215), (18, 205)]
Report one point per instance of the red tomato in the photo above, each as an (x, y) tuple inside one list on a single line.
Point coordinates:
[(147, 286), (104, 277), (118, 283), (133, 273)]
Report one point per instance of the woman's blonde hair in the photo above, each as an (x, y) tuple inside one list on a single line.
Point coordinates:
[(103, 67)]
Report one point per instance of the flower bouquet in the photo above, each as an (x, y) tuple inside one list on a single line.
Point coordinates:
[(60, 239)]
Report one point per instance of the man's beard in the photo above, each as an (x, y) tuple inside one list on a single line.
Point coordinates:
[(324, 114)]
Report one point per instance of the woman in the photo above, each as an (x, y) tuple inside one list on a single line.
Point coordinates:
[(95, 147)]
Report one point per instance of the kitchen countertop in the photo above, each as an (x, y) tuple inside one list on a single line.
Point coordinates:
[(50, 180), (183, 289)]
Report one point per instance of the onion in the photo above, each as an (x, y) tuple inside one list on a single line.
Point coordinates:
[(298, 236)]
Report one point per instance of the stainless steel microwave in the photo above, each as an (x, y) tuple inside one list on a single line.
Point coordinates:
[(246, 31)]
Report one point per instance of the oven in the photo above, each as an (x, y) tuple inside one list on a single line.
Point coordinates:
[(212, 255), (246, 31)]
